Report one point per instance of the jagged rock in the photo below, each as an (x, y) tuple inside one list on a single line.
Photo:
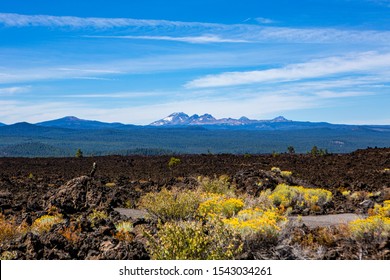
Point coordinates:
[(80, 194)]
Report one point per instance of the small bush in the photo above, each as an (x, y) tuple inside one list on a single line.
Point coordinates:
[(263, 201), (286, 174), (384, 210), (219, 185), (45, 223), (96, 216), (220, 205), (373, 228), (276, 170), (193, 240), (171, 204), (299, 197), (173, 162), (257, 222), (124, 231)]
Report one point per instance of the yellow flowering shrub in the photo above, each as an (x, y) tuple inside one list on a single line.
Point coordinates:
[(171, 204), (220, 205), (286, 174), (45, 223), (371, 227), (299, 197), (193, 240), (384, 210), (266, 223)]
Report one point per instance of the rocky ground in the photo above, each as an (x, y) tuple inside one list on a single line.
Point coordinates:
[(31, 188)]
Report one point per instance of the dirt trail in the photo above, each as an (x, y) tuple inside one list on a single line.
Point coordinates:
[(326, 220), (309, 221)]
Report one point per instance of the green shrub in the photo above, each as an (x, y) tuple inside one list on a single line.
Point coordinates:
[(193, 240), (171, 204), (173, 162), (219, 185)]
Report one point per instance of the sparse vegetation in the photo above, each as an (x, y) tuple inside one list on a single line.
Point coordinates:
[(79, 153), (249, 213), (45, 223), (96, 216), (171, 204), (299, 197), (219, 185), (173, 162), (193, 240)]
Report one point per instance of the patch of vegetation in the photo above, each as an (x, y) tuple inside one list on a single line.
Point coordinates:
[(173, 162), (10, 230), (96, 216), (299, 197), (171, 204), (216, 204), (257, 222), (45, 223), (220, 185), (193, 240)]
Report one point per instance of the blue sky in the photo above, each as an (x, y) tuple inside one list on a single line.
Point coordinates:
[(138, 61)]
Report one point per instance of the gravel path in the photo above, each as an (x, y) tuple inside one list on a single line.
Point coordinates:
[(310, 221), (326, 220)]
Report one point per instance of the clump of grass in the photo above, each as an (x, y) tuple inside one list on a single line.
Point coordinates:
[(124, 231), (110, 184), (193, 240), (45, 223), (171, 204), (96, 216)]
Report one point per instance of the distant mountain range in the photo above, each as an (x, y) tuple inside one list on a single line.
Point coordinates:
[(207, 119), (76, 123), (181, 133)]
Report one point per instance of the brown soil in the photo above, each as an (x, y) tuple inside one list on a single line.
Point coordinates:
[(29, 187)]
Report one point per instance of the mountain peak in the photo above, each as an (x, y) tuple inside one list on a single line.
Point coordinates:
[(280, 119), (180, 118), (71, 118)]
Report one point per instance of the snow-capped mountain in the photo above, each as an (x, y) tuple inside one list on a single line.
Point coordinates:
[(207, 119)]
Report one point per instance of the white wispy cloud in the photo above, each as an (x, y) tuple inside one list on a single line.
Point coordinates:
[(204, 39), (358, 63), (18, 20), (229, 32), (264, 20), (14, 90)]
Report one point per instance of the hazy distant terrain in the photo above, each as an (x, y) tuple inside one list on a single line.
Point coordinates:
[(64, 136)]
